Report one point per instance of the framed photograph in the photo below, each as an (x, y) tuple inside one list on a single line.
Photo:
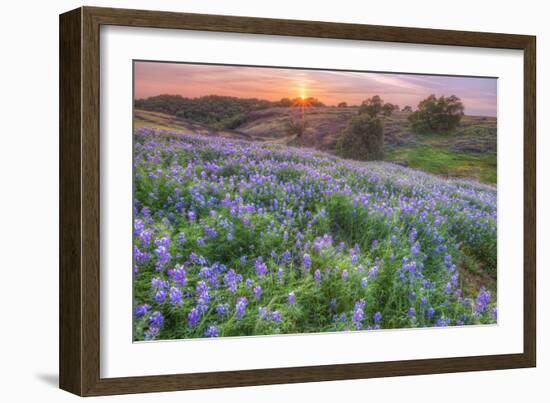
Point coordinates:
[(249, 201)]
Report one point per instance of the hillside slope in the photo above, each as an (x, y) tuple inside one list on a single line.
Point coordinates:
[(237, 238), (468, 152)]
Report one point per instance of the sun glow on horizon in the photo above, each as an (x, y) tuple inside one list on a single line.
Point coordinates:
[(328, 87), (302, 92)]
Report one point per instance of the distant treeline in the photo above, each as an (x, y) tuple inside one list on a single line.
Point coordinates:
[(213, 110)]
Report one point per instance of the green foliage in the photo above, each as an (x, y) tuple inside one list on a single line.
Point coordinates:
[(387, 109), (372, 106), (343, 105), (234, 121), (407, 108), (437, 114), (363, 139)]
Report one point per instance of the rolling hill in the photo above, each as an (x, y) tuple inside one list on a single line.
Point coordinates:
[(468, 152)]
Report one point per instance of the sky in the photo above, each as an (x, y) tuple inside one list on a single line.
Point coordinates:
[(479, 95)]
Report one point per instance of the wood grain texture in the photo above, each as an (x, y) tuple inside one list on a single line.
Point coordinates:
[(79, 200), (70, 270), (530, 202)]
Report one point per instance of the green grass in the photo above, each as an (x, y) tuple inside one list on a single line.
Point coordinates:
[(468, 152), (440, 161)]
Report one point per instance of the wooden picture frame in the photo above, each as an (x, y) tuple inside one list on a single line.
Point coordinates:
[(79, 279)]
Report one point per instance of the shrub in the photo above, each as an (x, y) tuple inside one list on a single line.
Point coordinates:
[(387, 109), (437, 114), (296, 127), (407, 108), (343, 105), (363, 139), (372, 106), (234, 121)]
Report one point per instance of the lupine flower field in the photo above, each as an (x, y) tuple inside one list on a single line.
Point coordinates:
[(238, 238)]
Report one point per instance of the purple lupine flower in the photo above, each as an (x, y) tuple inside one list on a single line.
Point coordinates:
[(203, 296), (206, 272), (317, 275), (159, 284), (364, 282), (160, 296), (430, 312), (175, 296), (181, 238), (373, 272), (345, 275), (212, 331), (291, 298), (276, 316), (424, 302), (261, 268), (146, 212), (222, 309), (202, 288), (151, 333), (156, 319), (210, 232), (257, 291), (163, 257), (178, 275), (412, 312), (454, 280), (163, 241), (139, 256), (141, 310), (442, 322), (359, 314), (306, 261), (263, 312), (482, 300), (139, 227), (230, 280), (240, 307), (377, 317), (285, 256), (494, 313), (145, 237), (415, 249), (193, 317)]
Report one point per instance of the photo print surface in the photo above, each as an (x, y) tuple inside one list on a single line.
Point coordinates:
[(272, 200)]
